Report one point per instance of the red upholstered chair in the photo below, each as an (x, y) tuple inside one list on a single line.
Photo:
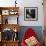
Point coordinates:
[(29, 33)]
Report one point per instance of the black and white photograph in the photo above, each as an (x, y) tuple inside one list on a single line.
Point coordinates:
[(31, 13)]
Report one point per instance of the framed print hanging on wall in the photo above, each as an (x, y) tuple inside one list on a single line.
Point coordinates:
[(30, 13)]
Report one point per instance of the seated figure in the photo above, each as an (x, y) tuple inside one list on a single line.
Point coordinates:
[(30, 39)]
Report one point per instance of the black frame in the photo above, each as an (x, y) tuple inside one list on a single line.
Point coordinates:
[(34, 11)]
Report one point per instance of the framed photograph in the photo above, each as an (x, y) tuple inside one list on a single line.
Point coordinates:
[(30, 13), (13, 12), (5, 12)]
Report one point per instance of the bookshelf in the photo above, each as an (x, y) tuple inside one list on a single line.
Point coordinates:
[(7, 26)]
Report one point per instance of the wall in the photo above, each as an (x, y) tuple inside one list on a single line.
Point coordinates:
[(26, 3), (32, 3)]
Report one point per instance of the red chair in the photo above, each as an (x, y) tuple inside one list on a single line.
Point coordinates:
[(29, 33)]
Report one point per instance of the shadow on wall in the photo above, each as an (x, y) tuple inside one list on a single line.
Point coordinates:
[(37, 29)]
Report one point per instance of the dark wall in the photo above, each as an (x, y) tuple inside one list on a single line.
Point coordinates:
[(37, 29)]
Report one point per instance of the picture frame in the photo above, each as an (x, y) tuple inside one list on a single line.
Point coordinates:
[(30, 13), (5, 12), (13, 12)]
